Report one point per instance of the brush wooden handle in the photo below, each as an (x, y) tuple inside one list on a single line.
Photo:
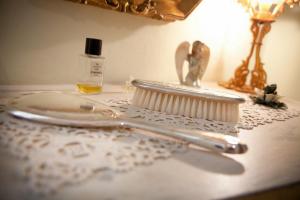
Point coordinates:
[(213, 141)]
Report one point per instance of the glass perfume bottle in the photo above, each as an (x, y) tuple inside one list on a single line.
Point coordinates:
[(91, 67)]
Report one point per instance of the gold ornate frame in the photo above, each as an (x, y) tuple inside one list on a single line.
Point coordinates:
[(167, 10)]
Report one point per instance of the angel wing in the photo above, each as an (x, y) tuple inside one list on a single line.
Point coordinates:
[(181, 54), (205, 54)]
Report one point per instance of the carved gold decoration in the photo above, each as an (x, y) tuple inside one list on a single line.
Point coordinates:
[(263, 13), (258, 76), (169, 10), (128, 6)]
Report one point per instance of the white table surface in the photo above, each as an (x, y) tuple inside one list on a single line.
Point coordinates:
[(272, 161)]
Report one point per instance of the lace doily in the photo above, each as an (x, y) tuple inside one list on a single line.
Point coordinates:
[(251, 115), (56, 156)]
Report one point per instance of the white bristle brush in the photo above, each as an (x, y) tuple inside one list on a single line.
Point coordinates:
[(187, 101)]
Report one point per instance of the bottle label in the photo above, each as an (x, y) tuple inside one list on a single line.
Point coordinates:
[(96, 69)]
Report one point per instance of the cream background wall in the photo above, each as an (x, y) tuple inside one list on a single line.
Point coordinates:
[(40, 41)]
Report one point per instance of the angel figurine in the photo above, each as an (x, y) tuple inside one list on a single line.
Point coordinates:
[(198, 61)]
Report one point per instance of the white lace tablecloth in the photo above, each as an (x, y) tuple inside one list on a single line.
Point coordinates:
[(56, 156)]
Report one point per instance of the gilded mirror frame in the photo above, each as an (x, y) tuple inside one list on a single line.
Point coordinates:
[(166, 10)]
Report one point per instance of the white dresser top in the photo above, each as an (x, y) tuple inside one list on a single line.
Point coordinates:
[(272, 161)]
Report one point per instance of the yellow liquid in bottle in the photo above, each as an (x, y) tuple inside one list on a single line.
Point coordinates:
[(89, 88)]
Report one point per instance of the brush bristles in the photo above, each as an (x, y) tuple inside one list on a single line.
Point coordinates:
[(195, 107)]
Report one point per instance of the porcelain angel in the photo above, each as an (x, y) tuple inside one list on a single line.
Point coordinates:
[(197, 60)]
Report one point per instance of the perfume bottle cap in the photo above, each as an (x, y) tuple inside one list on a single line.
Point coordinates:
[(93, 46)]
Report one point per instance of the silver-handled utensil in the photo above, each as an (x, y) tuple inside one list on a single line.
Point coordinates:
[(72, 110)]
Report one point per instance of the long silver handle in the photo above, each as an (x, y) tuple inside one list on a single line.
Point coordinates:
[(214, 141)]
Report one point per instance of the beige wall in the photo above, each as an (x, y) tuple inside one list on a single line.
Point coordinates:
[(40, 41)]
